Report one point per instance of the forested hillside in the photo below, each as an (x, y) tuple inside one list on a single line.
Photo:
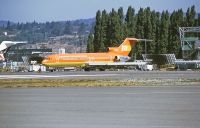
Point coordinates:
[(34, 32), (111, 28)]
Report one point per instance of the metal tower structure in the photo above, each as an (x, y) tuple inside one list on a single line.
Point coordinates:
[(189, 44)]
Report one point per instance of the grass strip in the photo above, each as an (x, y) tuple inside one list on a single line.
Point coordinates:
[(37, 83)]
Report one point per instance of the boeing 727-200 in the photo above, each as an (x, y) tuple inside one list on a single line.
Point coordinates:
[(114, 54)]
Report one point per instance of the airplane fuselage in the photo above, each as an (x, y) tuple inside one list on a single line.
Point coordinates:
[(78, 59), (114, 54)]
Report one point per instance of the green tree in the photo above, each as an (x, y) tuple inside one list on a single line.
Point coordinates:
[(104, 22), (140, 32), (164, 32), (90, 45), (97, 30), (121, 23), (162, 28), (190, 16), (157, 38), (176, 20), (154, 32), (148, 30), (113, 33), (130, 22), (129, 27)]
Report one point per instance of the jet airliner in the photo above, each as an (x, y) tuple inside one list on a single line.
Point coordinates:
[(114, 54)]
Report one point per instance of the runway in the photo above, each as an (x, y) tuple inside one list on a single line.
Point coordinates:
[(116, 107), (171, 106), (105, 75)]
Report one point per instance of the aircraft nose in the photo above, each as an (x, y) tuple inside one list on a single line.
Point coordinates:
[(44, 61)]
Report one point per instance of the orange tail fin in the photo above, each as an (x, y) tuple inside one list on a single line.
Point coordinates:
[(125, 48)]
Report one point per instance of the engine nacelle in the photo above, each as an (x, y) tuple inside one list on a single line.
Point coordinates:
[(122, 58)]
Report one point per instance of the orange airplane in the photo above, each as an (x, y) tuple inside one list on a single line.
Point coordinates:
[(114, 54)]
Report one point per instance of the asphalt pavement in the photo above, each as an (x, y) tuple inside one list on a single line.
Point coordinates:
[(119, 75), (114, 107)]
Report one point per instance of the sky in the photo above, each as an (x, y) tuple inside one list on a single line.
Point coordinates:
[(63, 10)]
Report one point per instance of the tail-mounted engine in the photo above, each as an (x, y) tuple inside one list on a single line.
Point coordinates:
[(122, 58)]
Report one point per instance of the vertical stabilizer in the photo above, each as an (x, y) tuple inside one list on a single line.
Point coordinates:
[(125, 48)]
